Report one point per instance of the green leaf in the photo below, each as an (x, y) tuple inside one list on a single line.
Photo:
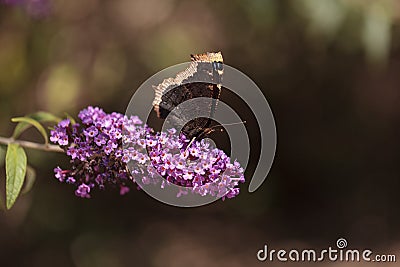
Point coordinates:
[(1, 199), (30, 179), (40, 116), (15, 172), (2, 158), (34, 123), (45, 117)]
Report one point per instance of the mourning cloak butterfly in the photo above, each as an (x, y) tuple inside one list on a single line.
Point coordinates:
[(208, 68)]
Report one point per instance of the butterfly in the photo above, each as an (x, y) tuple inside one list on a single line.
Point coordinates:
[(207, 68)]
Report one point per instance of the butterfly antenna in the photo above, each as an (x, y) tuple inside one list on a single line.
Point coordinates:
[(213, 128), (227, 124), (191, 142)]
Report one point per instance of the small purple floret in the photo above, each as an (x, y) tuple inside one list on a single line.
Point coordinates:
[(83, 191)]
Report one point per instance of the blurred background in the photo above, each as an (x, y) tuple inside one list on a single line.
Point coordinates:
[(329, 69)]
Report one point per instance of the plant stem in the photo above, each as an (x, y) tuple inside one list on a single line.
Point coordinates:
[(28, 144)]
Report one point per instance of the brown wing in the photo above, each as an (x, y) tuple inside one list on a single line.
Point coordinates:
[(174, 91)]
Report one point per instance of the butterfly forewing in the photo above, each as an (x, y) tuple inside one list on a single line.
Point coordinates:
[(172, 92)]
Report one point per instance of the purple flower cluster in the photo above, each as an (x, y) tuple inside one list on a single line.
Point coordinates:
[(102, 146), (192, 165)]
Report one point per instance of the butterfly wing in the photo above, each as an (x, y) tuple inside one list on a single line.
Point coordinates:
[(172, 92)]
